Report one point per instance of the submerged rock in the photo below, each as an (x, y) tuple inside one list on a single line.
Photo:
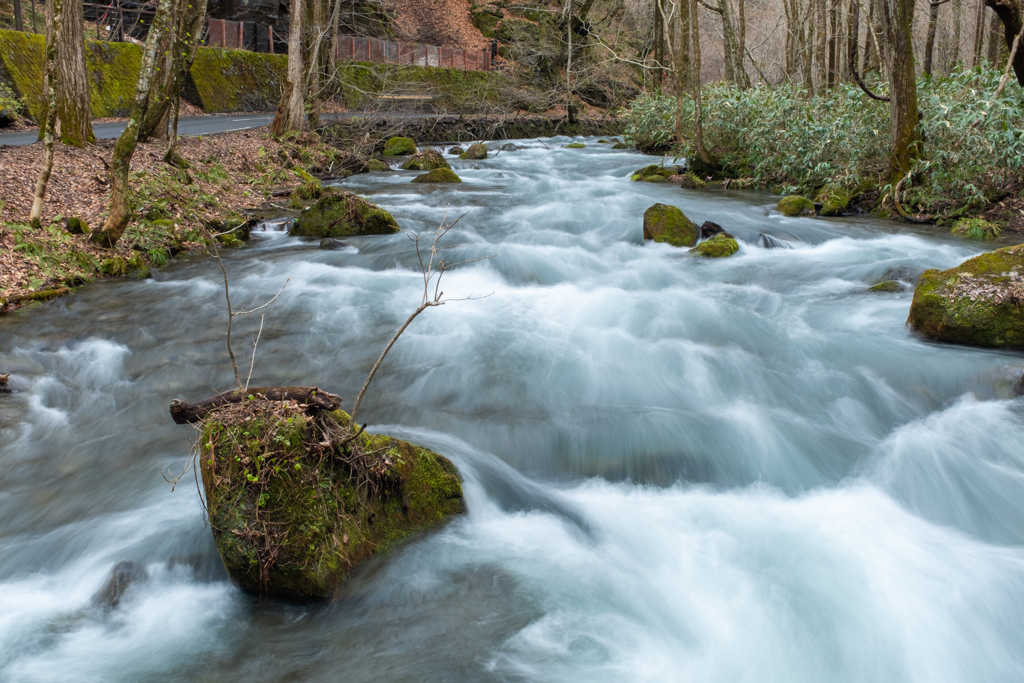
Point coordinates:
[(907, 274), (721, 245), (795, 205), (575, 145), (377, 165), (509, 147), (476, 151), (292, 518), (663, 223), (329, 244), (709, 229), (620, 145), (977, 303), (654, 173), (438, 175), (426, 160), (769, 242), (397, 147), (834, 201), (124, 574), (343, 215), (456, 151), (886, 286)]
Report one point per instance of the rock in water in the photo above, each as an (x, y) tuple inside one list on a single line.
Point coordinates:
[(663, 223), (977, 303), (795, 205), (886, 286), (769, 242), (124, 574), (343, 215), (908, 274), (293, 517), (426, 160), (654, 173), (575, 145), (397, 147), (834, 201), (620, 145), (721, 245), (438, 175), (690, 181), (377, 165), (456, 151), (475, 152), (329, 244), (509, 147), (709, 230)]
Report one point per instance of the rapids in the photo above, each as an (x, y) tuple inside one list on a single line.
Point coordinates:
[(744, 469)]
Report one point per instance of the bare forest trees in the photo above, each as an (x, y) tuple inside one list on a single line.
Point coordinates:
[(897, 17), (120, 163), (291, 114)]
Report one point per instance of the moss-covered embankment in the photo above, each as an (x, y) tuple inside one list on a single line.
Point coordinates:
[(239, 80)]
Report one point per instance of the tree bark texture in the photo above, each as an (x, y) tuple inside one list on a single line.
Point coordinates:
[(698, 122), (124, 149), (979, 33), (71, 78), (954, 55), (929, 43), (853, 34), (833, 43), (1012, 17), (897, 20), (55, 26), (993, 43), (807, 39), (295, 112)]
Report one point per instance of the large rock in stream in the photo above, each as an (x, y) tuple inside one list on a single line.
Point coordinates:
[(427, 160), (977, 303), (343, 214), (292, 518), (664, 223)]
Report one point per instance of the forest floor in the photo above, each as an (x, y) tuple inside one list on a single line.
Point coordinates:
[(439, 22)]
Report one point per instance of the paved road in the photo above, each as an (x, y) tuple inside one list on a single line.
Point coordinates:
[(189, 125)]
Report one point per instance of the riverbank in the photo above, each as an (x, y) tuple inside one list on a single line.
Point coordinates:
[(232, 179)]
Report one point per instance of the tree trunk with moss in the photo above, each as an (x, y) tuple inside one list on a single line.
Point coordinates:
[(294, 118), (72, 106), (54, 29), (175, 56), (120, 162), (897, 20)]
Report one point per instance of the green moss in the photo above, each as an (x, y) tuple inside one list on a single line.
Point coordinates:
[(77, 226), (691, 182), (977, 303), (795, 205), (887, 286), (426, 160), (719, 246), (575, 145), (834, 201), (267, 493), (653, 174), (976, 228), (235, 80), (343, 215), (486, 22), (620, 145), (438, 175), (663, 223), (397, 147), (602, 141), (377, 165), (476, 151)]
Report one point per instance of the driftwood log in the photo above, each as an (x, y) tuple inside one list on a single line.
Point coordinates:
[(185, 412)]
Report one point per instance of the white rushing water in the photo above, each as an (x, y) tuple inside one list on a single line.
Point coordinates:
[(744, 469)]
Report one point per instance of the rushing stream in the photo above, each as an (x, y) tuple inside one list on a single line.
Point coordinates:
[(744, 469)]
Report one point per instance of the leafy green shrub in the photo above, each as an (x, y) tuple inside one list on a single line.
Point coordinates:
[(9, 102), (976, 229)]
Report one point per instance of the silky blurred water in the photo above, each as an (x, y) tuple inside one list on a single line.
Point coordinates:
[(744, 469)]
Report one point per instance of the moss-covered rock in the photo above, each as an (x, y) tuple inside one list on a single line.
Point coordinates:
[(294, 521), (398, 147), (653, 173), (76, 226), (486, 22), (663, 223), (236, 80), (476, 151), (575, 145), (620, 145), (377, 165), (343, 215), (456, 151), (834, 201), (886, 286), (134, 267), (977, 303), (602, 141), (438, 175), (426, 160), (795, 205), (976, 229), (721, 245), (691, 182)]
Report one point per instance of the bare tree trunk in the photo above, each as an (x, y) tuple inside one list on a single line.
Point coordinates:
[(954, 56), (295, 114), (744, 78), (929, 43), (682, 66), (979, 33), (897, 19), (695, 82), (833, 44), (1011, 15), (315, 59), (55, 26), (993, 43), (659, 44), (807, 38), (870, 49), (120, 162), (853, 34), (74, 110), (820, 58), (790, 64)]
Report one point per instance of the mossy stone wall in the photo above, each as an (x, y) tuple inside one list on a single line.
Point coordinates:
[(235, 80)]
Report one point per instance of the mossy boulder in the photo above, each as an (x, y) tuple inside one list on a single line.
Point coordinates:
[(663, 223), (834, 201), (438, 175), (236, 80), (377, 165), (76, 226), (343, 215), (620, 145), (653, 173), (575, 145), (134, 267), (398, 147), (977, 303), (456, 151), (426, 160), (886, 286), (795, 205), (486, 22), (691, 182), (721, 245), (476, 151), (292, 520)]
